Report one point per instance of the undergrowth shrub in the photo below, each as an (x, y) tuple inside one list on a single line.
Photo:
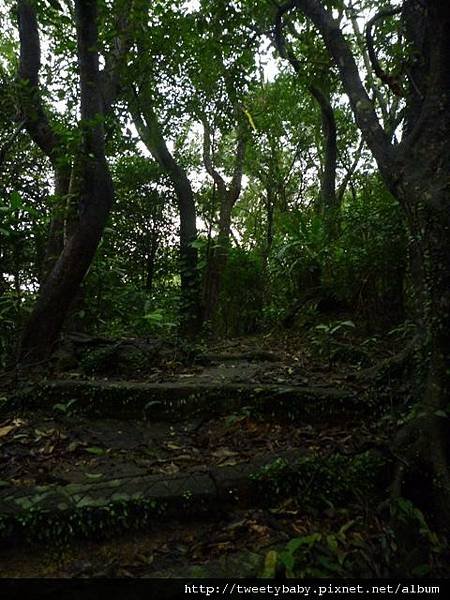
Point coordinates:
[(355, 271), (242, 294)]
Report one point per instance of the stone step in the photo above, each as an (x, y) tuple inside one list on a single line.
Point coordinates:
[(37, 513), (175, 401)]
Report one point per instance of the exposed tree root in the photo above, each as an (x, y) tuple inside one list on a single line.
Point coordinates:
[(422, 470), (392, 364)]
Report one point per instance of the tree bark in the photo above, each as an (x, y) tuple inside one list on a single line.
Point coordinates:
[(96, 195), (328, 195)]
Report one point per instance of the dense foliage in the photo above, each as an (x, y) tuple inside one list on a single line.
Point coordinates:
[(279, 243)]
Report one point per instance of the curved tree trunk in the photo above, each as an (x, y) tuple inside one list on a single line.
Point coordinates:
[(149, 129), (417, 172), (96, 195), (330, 198), (36, 123)]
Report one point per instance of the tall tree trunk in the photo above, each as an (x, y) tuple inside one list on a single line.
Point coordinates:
[(329, 200), (217, 263), (96, 195), (417, 172), (149, 129), (424, 442), (424, 191)]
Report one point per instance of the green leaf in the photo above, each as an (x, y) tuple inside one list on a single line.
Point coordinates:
[(96, 450), (270, 565), (441, 413), (16, 201), (94, 475), (348, 323), (307, 540)]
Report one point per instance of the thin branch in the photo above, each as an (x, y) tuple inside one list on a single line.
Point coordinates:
[(207, 158), (389, 80), (343, 187)]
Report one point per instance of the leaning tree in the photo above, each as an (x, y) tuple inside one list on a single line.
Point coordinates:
[(95, 184), (417, 173)]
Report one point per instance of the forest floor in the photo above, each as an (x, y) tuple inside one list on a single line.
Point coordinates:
[(140, 458)]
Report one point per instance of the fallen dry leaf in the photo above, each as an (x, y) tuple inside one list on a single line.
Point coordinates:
[(5, 430), (224, 453)]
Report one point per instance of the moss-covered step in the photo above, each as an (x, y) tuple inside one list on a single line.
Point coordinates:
[(107, 507), (177, 400), (238, 565)]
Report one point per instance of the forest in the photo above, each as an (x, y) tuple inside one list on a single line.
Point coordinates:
[(224, 288)]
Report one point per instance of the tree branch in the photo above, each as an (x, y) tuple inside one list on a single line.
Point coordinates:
[(343, 187), (280, 41), (149, 129), (392, 82), (207, 158), (236, 180), (362, 106), (29, 97), (110, 76), (378, 96)]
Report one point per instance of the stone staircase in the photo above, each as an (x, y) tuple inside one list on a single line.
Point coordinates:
[(97, 460)]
